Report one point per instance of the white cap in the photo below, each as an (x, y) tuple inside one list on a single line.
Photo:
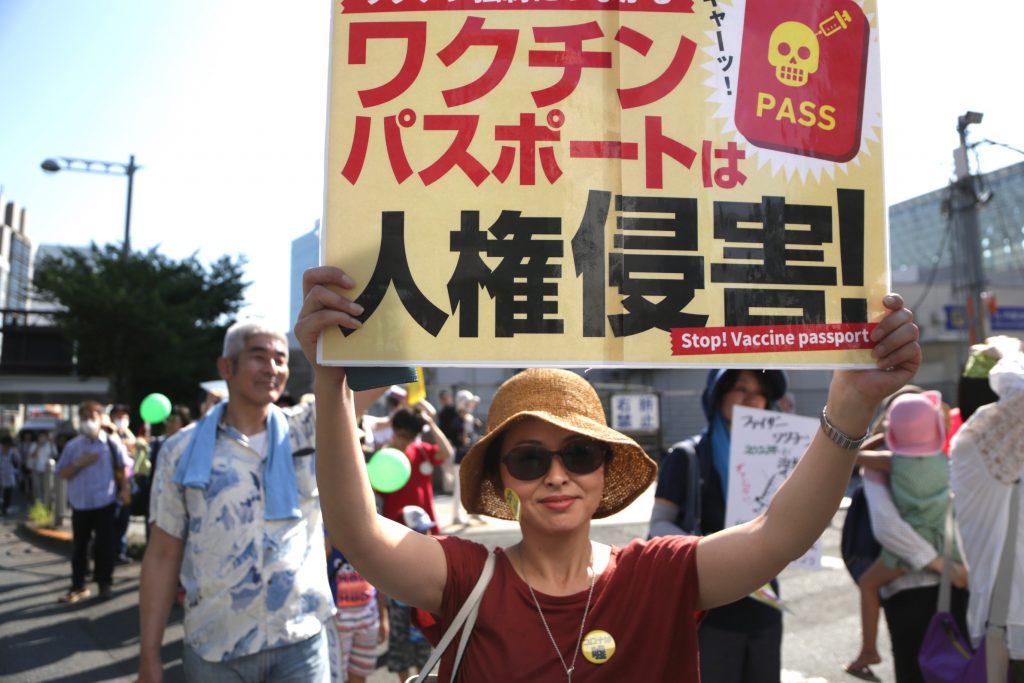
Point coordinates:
[(417, 518), (466, 396), (215, 386)]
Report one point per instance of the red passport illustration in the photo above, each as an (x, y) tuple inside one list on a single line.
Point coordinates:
[(802, 73)]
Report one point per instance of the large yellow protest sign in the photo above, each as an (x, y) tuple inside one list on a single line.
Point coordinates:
[(653, 183)]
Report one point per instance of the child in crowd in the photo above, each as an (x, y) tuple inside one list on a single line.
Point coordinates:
[(408, 649), (361, 621), (915, 434)]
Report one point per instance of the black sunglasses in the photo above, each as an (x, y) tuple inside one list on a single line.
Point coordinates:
[(579, 456)]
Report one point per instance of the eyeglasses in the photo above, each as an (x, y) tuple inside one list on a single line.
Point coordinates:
[(580, 456)]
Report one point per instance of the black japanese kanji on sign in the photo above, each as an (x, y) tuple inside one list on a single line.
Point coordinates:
[(471, 273), (524, 285), (588, 256), (770, 219), (670, 278), (776, 227), (655, 264), (851, 251), (393, 267), (807, 306)]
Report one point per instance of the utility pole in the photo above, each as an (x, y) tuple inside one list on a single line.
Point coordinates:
[(968, 270)]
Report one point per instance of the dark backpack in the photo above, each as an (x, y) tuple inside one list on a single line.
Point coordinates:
[(689, 513), (859, 546)]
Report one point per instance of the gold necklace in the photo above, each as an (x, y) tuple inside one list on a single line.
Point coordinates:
[(586, 610)]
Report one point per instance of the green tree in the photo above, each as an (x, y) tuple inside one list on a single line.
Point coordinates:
[(146, 322)]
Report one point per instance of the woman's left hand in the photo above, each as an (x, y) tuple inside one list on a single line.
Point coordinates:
[(897, 357)]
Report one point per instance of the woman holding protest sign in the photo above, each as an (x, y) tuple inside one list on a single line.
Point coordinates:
[(560, 605)]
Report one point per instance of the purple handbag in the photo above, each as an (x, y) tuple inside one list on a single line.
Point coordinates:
[(946, 656)]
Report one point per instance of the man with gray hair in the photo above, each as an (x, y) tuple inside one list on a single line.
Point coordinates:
[(235, 511)]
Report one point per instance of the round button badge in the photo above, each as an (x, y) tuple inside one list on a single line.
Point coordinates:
[(598, 646)]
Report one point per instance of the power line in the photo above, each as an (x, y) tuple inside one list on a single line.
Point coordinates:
[(936, 261), (986, 141)]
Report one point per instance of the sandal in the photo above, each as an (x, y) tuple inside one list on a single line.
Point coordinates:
[(74, 595), (864, 673)]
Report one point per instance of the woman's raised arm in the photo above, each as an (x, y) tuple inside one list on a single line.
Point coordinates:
[(382, 550), (740, 559)]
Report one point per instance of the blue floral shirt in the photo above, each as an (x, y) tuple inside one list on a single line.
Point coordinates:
[(250, 584)]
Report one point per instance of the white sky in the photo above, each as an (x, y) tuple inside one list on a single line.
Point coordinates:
[(223, 104)]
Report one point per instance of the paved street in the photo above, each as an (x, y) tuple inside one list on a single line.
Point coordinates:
[(41, 640)]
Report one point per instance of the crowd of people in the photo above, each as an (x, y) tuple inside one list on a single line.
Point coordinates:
[(24, 463), (235, 519), (105, 470)]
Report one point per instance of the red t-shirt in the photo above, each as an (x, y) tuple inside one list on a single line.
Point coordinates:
[(419, 490), (645, 599)]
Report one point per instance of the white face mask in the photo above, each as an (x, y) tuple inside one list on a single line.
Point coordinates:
[(121, 423), (91, 427)]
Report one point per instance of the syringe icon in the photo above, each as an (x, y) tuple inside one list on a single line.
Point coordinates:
[(837, 22)]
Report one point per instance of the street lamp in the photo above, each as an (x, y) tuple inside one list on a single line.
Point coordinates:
[(103, 168)]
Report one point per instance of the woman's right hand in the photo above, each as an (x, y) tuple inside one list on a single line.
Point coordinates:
[(324, 307), (959, 576), (87, 459)]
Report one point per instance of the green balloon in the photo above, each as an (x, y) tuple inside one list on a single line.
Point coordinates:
[(389, 470), (155, 408)]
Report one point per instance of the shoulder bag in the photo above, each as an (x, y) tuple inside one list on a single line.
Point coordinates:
[(118, 471), (466, 615), (859, 547), (946, 655)]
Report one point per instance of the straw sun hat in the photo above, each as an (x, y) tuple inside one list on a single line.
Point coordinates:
[(566, 400)]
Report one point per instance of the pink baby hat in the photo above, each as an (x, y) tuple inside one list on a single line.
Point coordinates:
[(915, 425)]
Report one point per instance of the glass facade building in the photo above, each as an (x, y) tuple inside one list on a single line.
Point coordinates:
[(15, 257), (923, 239), (305, 254)]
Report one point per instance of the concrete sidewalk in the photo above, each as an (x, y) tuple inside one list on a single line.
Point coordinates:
[(42, 639)]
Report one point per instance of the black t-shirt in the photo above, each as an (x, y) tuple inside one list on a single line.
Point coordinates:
[(452, 424)]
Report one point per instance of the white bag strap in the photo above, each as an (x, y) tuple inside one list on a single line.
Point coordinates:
[(467, 614), (1000, 604), (997, 656), (947, 557)]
